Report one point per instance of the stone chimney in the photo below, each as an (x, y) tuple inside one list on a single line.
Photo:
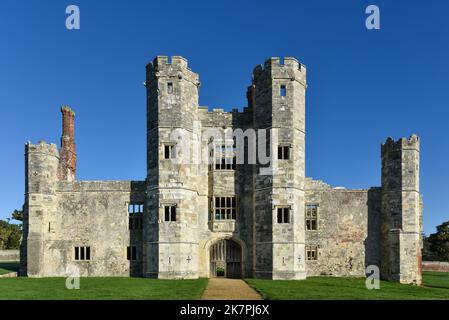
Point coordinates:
[(67, 153)]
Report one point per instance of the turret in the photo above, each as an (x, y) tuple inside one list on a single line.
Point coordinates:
[(278, 102), (41, 178), (401, 211), (173, 175)]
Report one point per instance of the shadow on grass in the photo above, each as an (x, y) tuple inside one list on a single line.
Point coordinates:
[(9, 266)]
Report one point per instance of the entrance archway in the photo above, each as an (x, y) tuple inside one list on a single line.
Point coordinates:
[(226, 259)]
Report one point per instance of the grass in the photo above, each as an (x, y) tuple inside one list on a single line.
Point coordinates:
[(436, 286), (101, 289), (9, 266), (436, 279)]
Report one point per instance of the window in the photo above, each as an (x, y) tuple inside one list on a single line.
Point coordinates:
[(82, 253), (312, 253), (131, 253), (169, 151), (283, 152), (225, 158), (284, 215), (170, 87), (283, 91), (311, 217), (170, 213), (135, 211), (225, 208)]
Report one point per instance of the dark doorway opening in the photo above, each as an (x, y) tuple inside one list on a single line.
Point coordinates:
[(226, 259)]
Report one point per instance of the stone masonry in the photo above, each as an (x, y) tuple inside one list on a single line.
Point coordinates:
[(192, 218)]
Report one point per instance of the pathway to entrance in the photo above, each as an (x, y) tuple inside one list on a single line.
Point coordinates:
[(229, 289)]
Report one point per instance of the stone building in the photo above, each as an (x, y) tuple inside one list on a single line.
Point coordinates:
[(193, 218)]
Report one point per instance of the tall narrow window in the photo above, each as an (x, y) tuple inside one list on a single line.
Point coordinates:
[(283, 152), (170, 87), (312, 252), (283, 91), (170, 213), (283, 215), (225, 208), (311, 217), (82, 253), (135, 212), (169, 151)]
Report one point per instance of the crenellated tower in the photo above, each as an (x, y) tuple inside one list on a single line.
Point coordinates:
[(40, 210), (174, 194), (278, 100), (401, 211)]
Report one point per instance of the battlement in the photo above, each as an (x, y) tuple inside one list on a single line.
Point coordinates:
[(403, 143), (275, 65), (176, 61), (175, 66), (42, 147)]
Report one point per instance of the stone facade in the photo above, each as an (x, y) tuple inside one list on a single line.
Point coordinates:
[(192, 210)]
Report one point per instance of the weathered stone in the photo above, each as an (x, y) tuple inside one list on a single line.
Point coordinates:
[(355, 228)]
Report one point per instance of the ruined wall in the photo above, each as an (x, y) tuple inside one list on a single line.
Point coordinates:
[(348, 232), (356, 228), (93, 214), (436, 266)]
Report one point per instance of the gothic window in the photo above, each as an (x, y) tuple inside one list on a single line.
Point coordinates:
[(170, 87), (283, 215), (131, 253), (170, 213), (225, 208), (82, 253), (283, 152), (312, 252), (169, 151), (311, 217), (135, 212), (283, 91)]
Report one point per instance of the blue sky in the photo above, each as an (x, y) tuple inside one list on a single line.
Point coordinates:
[(363, 85)]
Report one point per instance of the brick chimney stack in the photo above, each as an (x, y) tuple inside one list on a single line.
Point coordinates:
[(67, 153)]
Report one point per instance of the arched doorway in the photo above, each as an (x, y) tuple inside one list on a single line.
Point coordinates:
[(226, 259)]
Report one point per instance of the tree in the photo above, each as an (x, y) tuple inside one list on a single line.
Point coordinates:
[(10, 233), (439, 242), (427, 253), (17, 215)]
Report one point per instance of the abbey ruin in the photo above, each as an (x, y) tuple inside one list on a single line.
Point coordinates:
[(192, 218)]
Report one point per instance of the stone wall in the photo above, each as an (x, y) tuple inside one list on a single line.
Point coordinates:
[(356, 228), (9, 255), (347, 235), (436, 266), (89, 214)]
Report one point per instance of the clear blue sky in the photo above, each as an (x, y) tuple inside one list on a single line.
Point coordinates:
[(363, 85)]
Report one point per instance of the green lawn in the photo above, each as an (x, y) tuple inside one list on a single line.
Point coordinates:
[(7, 267), (436, 279), (102, 288), (436, 286)]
